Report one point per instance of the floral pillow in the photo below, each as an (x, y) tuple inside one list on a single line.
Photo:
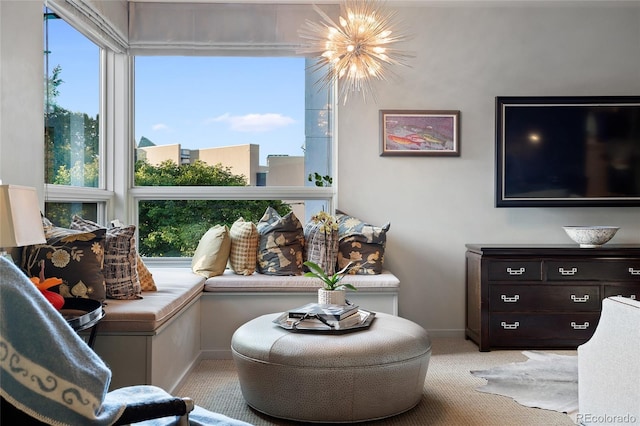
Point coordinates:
[(120, 259), (281, 244), (361, 243), (74, 256)]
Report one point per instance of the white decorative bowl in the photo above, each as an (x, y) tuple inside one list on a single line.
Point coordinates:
[(590, 236)]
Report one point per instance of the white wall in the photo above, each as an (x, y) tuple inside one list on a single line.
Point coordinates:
[(21, 94), (466, 54), (465, 57)]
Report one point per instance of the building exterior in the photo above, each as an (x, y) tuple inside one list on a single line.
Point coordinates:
[(281, 170)]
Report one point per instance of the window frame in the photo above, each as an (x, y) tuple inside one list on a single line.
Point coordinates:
[(116, 196), (306, 193), (101, 195)]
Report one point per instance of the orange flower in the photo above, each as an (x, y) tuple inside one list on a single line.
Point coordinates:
[(45, 284)]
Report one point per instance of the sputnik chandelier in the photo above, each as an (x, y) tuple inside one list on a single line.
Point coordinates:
[(356, 51)]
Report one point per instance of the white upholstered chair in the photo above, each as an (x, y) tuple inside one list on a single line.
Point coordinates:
[(609, 367)]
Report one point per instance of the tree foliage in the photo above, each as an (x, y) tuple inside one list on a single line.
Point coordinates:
[(71, 140), (173, 228)]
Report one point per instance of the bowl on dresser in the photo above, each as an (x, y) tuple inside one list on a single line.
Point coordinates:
[(591, 236)]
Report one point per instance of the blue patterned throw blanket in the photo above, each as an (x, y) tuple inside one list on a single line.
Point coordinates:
[(67, 381), (49, 372)]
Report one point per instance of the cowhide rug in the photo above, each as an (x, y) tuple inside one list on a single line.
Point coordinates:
[(545, 380)]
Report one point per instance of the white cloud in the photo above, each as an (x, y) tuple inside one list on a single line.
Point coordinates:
[(254, 123), (160, 127)]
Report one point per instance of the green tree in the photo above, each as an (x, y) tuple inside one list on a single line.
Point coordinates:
[(173, 228), (71, 140)]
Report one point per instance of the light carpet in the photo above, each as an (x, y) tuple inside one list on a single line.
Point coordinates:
[(449, 397), (545, 380)]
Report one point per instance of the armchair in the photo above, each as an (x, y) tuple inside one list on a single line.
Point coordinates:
[(49, 375), (609, 366)]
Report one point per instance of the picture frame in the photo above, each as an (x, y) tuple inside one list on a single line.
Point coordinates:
[(420, 133)]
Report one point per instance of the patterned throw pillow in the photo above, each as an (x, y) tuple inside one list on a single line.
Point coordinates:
[(76, 257), (120, 259), (212, 253), (281, 244), (321, 246), (244, 247), (147, 283), (361, 242)]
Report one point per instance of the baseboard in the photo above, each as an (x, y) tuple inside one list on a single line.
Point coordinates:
[(187, 372), (446, 333)]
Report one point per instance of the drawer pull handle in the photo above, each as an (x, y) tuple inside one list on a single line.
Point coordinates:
[(577, 299), (513, 326), (516, 271), (508, 299), (566, 272), (634, 271), (580, 326), (631, 296)]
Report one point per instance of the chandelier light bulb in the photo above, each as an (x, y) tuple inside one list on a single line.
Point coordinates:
[(356, 50)]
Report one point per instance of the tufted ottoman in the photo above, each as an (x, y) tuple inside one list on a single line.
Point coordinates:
[(364, 375)]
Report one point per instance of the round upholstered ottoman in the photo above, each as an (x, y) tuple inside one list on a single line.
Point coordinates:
[(364, 375)]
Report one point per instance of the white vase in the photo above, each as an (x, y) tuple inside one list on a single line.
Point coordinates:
[(331, 297)]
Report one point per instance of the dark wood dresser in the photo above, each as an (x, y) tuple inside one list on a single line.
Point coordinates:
[(547, 296)]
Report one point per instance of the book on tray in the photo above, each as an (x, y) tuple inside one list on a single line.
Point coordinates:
[(326, 312), (358, 317)]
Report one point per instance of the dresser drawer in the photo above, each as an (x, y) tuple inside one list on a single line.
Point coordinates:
[(631, 291), (513, 270), (541, 329), (595, 270), (544, 298)]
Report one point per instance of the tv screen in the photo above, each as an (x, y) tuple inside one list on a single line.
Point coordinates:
[(567, 151)]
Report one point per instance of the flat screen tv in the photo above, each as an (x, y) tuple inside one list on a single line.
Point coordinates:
[(567, 151)]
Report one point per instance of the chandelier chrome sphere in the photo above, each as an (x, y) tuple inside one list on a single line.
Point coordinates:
[(357, 50)]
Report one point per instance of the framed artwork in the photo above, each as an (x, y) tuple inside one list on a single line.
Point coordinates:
[(429, 133)]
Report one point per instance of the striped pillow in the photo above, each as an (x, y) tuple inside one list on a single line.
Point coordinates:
[(120, 259), (321, 246), (244, 247)]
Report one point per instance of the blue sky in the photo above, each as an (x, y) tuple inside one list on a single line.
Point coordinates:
[(198, 102)]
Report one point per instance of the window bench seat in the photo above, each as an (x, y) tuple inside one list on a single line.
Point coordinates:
[(158, 339)]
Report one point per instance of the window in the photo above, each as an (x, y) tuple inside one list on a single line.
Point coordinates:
[(72, 121), (121, 136), (72, 101), (253, 115), (255, 128)]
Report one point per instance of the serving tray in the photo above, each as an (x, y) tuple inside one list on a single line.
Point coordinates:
[(281, 321), (81, 313)]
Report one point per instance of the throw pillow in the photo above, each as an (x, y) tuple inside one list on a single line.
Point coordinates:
[(281, 244), (321, 242), (147, 283), (361, 243), (120, 259), (244, 247), (76, 257), (212, 253)]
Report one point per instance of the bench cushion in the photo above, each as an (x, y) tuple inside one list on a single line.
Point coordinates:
[(177, 287), (293, 283)]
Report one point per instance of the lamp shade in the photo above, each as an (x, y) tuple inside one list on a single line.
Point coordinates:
[(20, 221)]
